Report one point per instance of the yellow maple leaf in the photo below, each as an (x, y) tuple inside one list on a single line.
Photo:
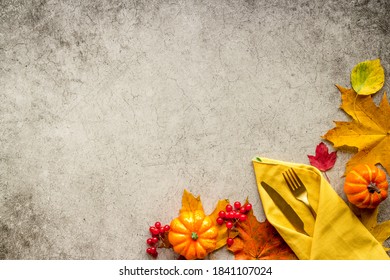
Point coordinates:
[(368, 131), (369, 218), (190, 203)]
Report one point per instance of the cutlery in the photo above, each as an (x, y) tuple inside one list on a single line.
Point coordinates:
[(286, 209), (297, 188)]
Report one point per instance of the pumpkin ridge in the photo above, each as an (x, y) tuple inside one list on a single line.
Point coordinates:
[(178, 242), (369, 173), (187, 222), (371, 201), (382, 185), (356, 185), (381, 177), (357, 193), (185, 250), (208, 232), (180, 227), (364, 202), (207, 243), (360, 176), (380, 196), (205, 226)]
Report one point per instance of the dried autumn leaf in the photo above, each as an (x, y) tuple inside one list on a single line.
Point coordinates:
[(323, 160), (190, 202), (368, 77), (222, 230), (369, 218), (382, 232), (259, 241), (165, 241), (369, 130)]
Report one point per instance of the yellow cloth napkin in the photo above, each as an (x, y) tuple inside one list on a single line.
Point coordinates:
[(336, 233)]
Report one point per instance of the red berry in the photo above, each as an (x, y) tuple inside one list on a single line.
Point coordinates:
[(242, 218), (149, 241), (221, 214), (154, 230), (229, 208), (236, 215), (157, 224), (243, 210), (229, 224), (167, 227), (248, 207), (220, 221), (237, 205), (153, 250), (229, 241), (229, 215), (161, 230), (154, 239)]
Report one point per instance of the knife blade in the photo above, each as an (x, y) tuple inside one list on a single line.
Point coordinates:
[(286, 209)]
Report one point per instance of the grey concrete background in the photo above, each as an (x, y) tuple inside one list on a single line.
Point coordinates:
[(110, 109)]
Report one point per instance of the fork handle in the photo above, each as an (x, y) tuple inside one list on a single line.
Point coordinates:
[(305, 201), (312, 210)]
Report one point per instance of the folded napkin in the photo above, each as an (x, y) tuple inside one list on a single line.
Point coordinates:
[(336, 233)]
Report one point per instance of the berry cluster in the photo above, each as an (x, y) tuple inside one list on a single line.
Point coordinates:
[(234, 214), (158, 233)]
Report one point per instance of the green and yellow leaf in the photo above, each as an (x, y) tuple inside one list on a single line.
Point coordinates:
[(368, 77)]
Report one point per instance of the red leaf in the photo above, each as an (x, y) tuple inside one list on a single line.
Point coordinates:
[(323, 160)]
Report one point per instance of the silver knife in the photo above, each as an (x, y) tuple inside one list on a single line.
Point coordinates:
[(286, 209)]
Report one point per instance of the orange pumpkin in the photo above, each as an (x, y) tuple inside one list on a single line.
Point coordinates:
[(366, 186), (193, 235)]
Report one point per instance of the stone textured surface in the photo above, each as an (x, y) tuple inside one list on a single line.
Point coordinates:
[(109, 109)]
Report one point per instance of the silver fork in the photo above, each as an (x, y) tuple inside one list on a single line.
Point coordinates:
[(297, 188)]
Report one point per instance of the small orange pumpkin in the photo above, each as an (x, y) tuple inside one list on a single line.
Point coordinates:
[(193, 235), (366, 186)]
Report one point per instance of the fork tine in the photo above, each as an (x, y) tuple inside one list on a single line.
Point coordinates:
[(296, 177), (293, 179), (288, 180)]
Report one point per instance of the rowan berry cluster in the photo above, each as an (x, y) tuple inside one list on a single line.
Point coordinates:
[(157, 234), (233, 215)]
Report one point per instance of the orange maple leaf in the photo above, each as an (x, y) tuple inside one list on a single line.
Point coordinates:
[(259, 241), (368, 131)]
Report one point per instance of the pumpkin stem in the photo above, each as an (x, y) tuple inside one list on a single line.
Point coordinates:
[(194, 236), (372, 187)]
